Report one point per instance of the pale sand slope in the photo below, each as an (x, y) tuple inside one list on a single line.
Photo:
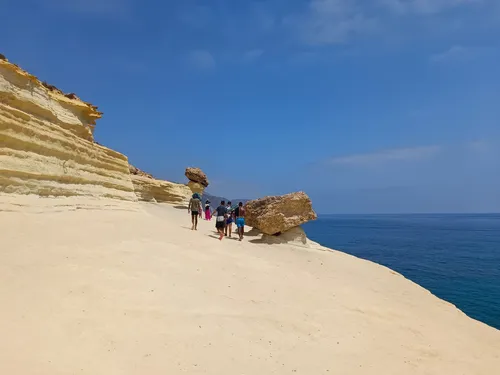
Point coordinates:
[(137, 292)]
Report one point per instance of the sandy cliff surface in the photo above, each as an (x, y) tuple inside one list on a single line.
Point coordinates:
[(151, 189), (131, 290), (46, 143)]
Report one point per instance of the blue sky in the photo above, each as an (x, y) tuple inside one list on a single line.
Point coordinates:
[(368, 106)]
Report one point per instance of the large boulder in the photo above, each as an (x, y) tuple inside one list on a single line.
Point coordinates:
[(197, 175), (277, 214)]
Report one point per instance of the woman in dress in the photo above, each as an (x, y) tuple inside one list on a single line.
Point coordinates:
[(208, 215)]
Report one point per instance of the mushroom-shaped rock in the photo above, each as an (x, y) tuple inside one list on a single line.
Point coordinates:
[(277, 214), (197, 175)]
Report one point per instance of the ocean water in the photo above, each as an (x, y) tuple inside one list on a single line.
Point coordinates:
[(456, 257)]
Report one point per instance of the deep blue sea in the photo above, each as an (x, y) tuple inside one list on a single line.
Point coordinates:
[(456, 257)]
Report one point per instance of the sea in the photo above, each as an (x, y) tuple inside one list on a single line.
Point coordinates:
[(456, 257)]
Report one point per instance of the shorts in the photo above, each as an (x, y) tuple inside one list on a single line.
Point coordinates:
[(194, 213), (219, 224), (240, 222), (229, 221)]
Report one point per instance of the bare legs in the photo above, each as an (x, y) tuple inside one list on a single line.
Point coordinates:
[(229, 229), (194, 221)]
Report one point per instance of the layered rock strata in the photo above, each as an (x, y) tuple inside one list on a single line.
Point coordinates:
[(47, 146), (147, 188), (278, 214)]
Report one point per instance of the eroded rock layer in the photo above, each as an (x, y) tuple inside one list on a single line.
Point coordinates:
[(150, 189), (47, 146)]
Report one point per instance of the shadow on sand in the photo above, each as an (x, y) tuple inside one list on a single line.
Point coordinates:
[(253, 233), (261, 241), (295, 236), (181, 207)]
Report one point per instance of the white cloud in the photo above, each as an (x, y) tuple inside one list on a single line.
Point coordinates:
[(400, 154), (425, 6), (331, 22), (201, 59), (482, 148), (479, 145), (460, 53), (451, 54), (252, 55)]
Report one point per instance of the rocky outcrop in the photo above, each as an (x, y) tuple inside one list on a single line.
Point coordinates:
[(197, 175), (153, 190), (195, 187), (137, 172), (47, 146), (198, 180), (149, 189), (278, 214)]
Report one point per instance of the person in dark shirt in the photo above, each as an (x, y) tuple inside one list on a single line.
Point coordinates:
[(239, 214), (220, 214)]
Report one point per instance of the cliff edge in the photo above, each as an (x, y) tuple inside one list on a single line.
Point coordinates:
[(47, 146), (149, 189)]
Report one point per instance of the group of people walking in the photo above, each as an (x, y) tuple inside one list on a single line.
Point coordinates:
[(225, 216)]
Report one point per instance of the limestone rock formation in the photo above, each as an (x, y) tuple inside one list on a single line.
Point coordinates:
[(197, 175), (278, 214), (195, 187), (198, 180), (47, 145), (132, 169), (149, 189), (152, 190), (136, 171)]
